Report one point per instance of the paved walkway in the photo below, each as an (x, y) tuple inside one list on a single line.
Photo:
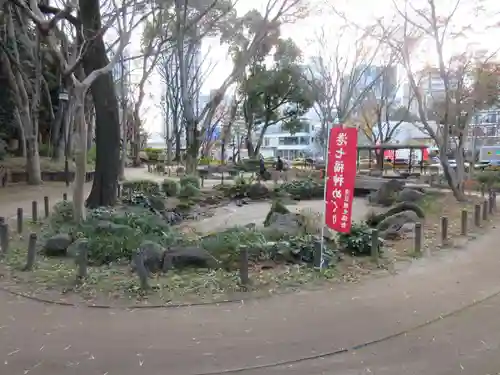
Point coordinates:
[(47, 340)]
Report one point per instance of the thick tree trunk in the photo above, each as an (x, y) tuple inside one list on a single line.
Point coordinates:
[(192, 148), (177, 146), (80, 156), (451, 178), (33, 162), (107, 132)]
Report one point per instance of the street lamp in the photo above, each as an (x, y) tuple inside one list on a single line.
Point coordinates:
[(63, 99)]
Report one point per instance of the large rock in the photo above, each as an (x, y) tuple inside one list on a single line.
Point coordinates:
[(410, 195), (57, 245), (258, 191), (152, 255), (387, 193), (394, 226), (289, 223), (182, 257)]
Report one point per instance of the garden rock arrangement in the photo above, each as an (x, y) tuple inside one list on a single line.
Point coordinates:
[(398, 220)]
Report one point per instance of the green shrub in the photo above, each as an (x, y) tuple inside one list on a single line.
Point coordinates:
[(142, 186), (189, 191), (123, 233), (190, 180), (62, 212), (207, 161), (304, 189), (44, 149), (170, 187), (358, 241), (225, 245), (488, 179), (153, 153)]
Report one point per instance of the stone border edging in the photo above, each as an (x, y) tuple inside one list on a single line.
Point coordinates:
[(131, 307)]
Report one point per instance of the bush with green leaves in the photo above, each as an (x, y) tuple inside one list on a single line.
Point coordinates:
[(153, 154), (358, 241), (190, 180), (62, 212), (189, 191), (142, 186), (225, 245), (488, 179), (170, 187), (115, 234), (304, 189)]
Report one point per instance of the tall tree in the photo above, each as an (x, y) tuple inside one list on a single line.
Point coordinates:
[(46, 26), (244, 35), (275, 94), (424, 26), (339, 75)]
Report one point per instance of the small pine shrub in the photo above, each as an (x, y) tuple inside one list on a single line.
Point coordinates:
[(190, 180), (170, 187)]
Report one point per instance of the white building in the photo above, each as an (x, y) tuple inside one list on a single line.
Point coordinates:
[(279, 142)]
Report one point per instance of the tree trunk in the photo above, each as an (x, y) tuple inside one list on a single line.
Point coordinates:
[(80, 156), (450, 177), (107, 137), (33, 162), (192, 147), (177, 144)]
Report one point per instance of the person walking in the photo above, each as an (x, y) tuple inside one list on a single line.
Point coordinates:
[(279, 170)]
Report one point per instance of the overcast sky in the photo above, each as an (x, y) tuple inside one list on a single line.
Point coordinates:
[(303, 33)]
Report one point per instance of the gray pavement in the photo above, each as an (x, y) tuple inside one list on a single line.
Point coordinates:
[(47, 340)]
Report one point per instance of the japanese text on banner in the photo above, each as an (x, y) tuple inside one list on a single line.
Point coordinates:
[(341, 175)]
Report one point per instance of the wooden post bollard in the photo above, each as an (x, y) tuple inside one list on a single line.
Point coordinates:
[(141, 270), (444, 230), (485, 210), (477, 215), (4, 237), (65, 197), (30, 262), (34, 211), (417, 241), (20, 220), (317, 256), (202, 179), (244, 279), (375, 246), (463, 223), (82, 260), (46, 206), (490, 204)]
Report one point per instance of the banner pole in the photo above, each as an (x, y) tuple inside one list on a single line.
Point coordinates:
[(324, 199)]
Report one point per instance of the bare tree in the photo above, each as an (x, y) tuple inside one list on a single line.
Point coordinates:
[(416, 27), (275, 10), (338, 75), (80, 88), (381, 114), (200, 67), (26, 89)]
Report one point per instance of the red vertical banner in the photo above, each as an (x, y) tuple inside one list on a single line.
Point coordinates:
[(340, 178)]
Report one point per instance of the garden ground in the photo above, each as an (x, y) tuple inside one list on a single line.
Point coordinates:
[(48, 339)]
